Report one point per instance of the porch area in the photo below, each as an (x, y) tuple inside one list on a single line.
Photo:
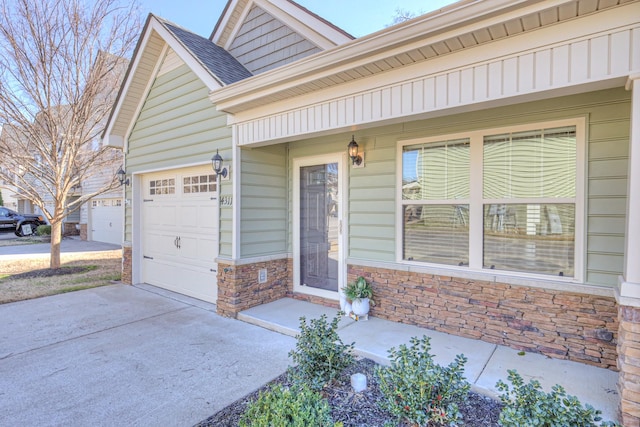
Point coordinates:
[(487, 363)]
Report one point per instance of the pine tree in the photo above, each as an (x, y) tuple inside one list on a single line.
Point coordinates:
[(1, 201)]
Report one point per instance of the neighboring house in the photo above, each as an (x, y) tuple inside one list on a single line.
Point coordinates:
[(101, 218), (498, 192), (9, 195)]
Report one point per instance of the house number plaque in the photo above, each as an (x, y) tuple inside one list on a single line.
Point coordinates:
[(226, 201)]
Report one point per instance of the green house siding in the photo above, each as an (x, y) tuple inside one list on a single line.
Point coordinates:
[(263, 216), (179, 126), (372, 189)]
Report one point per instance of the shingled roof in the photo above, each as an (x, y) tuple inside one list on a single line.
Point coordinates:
[(217, 60)]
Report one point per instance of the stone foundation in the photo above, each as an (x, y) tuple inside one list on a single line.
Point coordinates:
[(83, 232), (69, 229), (127, 258), (239, 287), (629, 365), (558, 324)]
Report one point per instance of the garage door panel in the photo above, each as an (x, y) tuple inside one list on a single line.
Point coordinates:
[(161, 246), (198, 283), (198, 216), (161, 215), (198, 249), (180, 234)]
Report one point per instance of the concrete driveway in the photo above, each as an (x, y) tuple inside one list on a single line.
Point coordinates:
[(128, 356)]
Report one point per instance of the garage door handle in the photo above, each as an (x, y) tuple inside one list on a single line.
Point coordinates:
[(147, 257), (213, 271)]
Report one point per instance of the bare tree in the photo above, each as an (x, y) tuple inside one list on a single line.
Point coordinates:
[(403, 15), (61, 63)]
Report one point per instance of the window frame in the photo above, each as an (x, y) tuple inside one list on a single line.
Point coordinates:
[(476, 199)]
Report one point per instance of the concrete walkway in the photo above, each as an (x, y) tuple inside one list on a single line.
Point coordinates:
[(487, 363), (128, 356)]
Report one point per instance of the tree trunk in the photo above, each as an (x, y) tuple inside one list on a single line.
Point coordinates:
[(56, 238)]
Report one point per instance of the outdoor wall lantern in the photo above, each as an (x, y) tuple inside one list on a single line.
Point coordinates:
[(122, 176), (218, 168), (356, 159)]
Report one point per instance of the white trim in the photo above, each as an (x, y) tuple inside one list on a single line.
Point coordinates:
[(237, 25), (632, 227), (125, 88), (137, 194), (236, 199), (143, 98), (223, 22), (429, 30), (311, 161), (154, 25), (196, 67), (477, 201), (308, 26), (253, 260), (502, 72)]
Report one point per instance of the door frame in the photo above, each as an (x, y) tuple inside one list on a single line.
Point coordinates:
[(340, 159)]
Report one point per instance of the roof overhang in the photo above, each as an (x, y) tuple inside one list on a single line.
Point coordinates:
[(465, 36), (147, 58), (316, 29)]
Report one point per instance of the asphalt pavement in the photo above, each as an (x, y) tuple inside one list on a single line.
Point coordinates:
[(67, 245)]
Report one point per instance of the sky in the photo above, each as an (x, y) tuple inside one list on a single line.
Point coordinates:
[(357, 17)]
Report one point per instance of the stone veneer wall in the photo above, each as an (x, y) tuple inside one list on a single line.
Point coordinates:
[(562, 325), (238, 287), (127, 277), (69, 229), (83, 232), (629, 365)]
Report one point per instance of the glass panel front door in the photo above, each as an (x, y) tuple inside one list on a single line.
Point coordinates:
[(319, 226)]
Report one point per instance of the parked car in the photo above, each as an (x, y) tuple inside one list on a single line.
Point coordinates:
[(20, 224)]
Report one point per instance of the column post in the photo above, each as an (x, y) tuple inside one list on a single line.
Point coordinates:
[(628, 291)]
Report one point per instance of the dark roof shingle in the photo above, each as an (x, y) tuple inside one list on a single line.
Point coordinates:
[(217, 60)]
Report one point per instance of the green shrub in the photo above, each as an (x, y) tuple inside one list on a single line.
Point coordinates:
[(528, 405), (43, 230), (285, 407), (418, 390), (320, 353)]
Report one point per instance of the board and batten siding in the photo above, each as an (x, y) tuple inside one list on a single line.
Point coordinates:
[(179, 126), (372, 190), (264, 43), (264, 215)]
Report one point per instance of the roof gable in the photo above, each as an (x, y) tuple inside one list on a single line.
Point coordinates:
[(212, 64), (265, 34)]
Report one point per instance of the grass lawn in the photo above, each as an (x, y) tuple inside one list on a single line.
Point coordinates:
[(97, 269)]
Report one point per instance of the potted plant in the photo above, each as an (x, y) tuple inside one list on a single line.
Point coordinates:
[(360, 294)]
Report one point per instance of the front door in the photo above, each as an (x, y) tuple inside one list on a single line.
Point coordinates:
[(319, 265)]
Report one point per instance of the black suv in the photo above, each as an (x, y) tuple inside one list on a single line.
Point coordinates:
[(21, 224)]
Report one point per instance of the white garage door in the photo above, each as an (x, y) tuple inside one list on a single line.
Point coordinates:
[(180, 231), (106, 221)]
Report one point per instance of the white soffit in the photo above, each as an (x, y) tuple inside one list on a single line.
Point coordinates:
[(154, 44), (459, 27)]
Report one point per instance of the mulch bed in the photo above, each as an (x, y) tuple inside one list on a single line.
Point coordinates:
[(360, 409)]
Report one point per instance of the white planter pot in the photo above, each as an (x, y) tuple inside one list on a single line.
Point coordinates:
[(360, 306)]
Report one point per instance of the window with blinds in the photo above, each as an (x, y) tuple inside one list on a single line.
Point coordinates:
[(527, 200), (529, 189), (435, 195)]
